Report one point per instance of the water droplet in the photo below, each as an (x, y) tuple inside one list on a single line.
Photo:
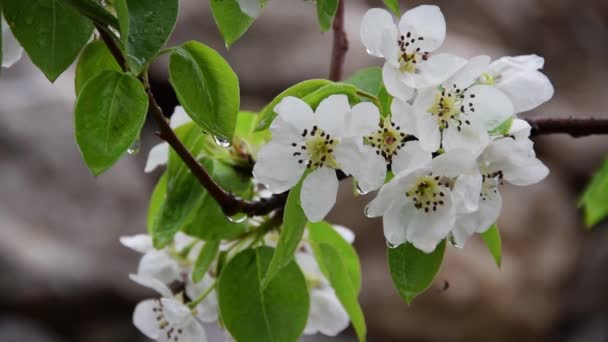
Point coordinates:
[(366, 212), (390, 245), (134, 148), (453, 242), (359, 190), (237, 218), (221, 141)]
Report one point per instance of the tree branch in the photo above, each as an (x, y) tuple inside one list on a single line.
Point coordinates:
[(340, 45), (576, 126)]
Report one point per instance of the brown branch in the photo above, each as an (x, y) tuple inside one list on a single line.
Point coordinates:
[(573, 125), (340, 45)]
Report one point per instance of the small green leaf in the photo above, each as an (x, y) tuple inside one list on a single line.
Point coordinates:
[(207, 87), (413, 270), (323, 232), (94, 59), (204, 259), (340, 280), (156, 202), (393, 5), (326, 11), (247, 135), (503, 128), (230, 20), (370, 81), (294, 222), (51, 32), (250, 312), (109, 113), (595, 198), (145, 26), (491, 238), (267, 115)]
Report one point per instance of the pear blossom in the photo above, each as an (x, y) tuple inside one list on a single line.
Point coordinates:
[(11, 49), (166, 319), (407, 48), (251, 7), (159, 154), (418, 205), (520, 79), (511, 159), (459, 113), (320, 142)]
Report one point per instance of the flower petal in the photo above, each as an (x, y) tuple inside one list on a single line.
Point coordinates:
[(326, 316), (294, 115), (347, 234), (362, 162), (11, 49), (466, 192), (492, 107), (318, 194), (277, 167), (175, 312), (373, 26), (362, 120), (402, 114), (425, 21), (472, 137), (207, 310), (159, 265), (179, 117), (427, 131), (426, 230), (251, 7), (468, 73), (331, 114), (193, 332), (396, 222), (410, 156), (520, 129), (144, 318), (158, 156), (141, 243), (395, 84), (393, 192), (517, 161), (478, 221), (454, 163), (152, 283), (437, 69)]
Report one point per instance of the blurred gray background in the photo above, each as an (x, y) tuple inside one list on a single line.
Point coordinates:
[(63, 274)]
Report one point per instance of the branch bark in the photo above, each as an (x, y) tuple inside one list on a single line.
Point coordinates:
[(576, 126), (340, 45)]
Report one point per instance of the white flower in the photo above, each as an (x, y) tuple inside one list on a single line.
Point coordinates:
[(207, 309), (321, 142), (418, 205), (11, 49), (407, 48), (251, 7), (166, 319), (459, 113), (159, 154), (520, 79), (511, 159), (162, 264)]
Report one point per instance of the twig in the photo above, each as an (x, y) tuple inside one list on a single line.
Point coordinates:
[(572, 125), (340, 45)]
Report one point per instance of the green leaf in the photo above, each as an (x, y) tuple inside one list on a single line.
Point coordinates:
[(413, 270), (93, 11), (294, 222), (207, 87), (313, 99), (145, 27), (156, 202), (503, 128), (341, 281), (393, 5), (249, 140), (323, 232), (370, 81), (230, 20), (595, 198), (250, 312), (51, 32), (267, 115), (491, 238), (204, 259), (109, 113), (94, 59), (326, 11)]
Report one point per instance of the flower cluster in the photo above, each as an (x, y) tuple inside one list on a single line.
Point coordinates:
[(181, 315), (451, 139)]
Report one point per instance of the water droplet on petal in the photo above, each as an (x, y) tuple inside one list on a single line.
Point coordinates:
[(134, 148), (390, 245), (221, 141), (237, 218), (453, 242), (359, 190), (366, 212)]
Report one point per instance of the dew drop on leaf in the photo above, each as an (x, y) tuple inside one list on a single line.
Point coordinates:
[(221, 141), (134, 148), (359, 190), (453, 242), (237, 218), (390, 245)]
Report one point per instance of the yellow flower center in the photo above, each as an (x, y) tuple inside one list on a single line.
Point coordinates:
[(428, 192), (388, 139), (317, 150), (409, 53)]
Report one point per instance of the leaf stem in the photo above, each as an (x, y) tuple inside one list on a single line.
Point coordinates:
[(371, 97)]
